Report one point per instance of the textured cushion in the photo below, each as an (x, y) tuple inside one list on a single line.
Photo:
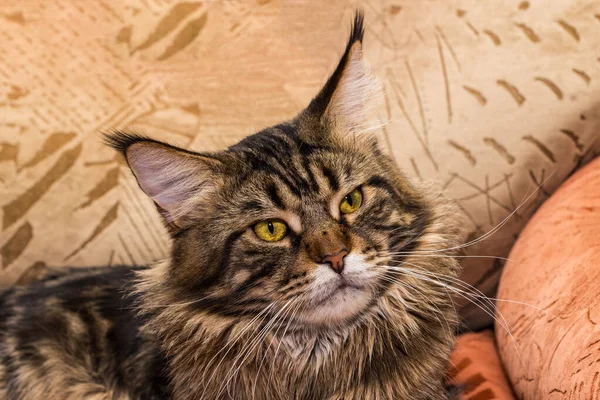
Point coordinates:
[(488, 99), (475, 366), (555, 268)]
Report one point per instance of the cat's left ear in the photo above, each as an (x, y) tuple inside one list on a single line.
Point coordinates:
[(352, 101)]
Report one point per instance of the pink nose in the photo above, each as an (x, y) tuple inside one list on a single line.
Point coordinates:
[(336, 261)]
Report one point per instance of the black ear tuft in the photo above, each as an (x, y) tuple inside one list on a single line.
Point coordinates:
[(358, 30), (319, 104), (121, 141)]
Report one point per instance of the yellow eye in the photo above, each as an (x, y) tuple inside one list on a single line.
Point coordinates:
[(271, 230), (351, 202)]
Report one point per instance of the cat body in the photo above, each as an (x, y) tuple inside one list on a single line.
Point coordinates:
[(76, 335), (304, 265)]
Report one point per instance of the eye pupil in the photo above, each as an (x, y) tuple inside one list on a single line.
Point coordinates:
[(271, 227), (349, 200)]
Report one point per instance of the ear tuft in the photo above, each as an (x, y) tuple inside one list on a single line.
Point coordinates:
[(357, 29), (120, 140)]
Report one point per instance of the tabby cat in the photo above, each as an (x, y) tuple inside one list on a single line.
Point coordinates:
[(300, 269)]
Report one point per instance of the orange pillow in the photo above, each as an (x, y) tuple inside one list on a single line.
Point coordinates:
[(555, 266), (475, 367)]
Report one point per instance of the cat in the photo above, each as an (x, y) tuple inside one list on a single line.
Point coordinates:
[(300, 269)]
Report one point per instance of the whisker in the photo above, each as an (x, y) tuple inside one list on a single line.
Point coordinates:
[(492, 308), (230, 345), (465, 295), (488, 307), (290, 320), (497, 227), (270, 343), (418, 253), (481, 294), (423, 297), (245, 353)]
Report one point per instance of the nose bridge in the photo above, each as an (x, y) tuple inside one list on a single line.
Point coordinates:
[(325, 239)]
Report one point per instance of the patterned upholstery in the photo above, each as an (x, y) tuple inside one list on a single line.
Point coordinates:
[(476, 368), (488, 99), (553, 349)]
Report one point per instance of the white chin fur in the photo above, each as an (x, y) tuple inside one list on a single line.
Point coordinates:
[(335, 305)]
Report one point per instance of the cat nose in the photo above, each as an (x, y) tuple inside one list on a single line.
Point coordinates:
[(336, 261)]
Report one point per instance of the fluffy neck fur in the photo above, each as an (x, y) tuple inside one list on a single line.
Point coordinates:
[(389, 353)]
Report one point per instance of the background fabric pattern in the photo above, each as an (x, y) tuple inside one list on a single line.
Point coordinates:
[(488, 100)]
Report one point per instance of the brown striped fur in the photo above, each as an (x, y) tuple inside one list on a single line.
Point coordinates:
[(231, 316)]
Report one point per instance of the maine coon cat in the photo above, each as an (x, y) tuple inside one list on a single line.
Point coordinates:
[(298, 270)]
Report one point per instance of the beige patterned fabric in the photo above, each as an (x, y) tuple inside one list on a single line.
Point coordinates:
[(488, 99)]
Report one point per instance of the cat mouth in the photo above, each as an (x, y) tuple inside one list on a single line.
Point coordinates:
[(339, 288), (345, 284), (337, 303)]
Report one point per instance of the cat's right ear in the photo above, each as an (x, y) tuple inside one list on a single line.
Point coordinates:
[(352, 100), (177, 180)]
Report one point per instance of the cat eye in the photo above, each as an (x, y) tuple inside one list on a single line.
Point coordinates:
[(351, 202), (271, 230)]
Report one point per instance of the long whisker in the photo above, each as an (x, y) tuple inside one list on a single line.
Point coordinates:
[(422, 296), (486, 306), (261, 337), (173, 305), (245, 353), (478, 293), (497, 227), (290, 320), (450, 297), (417, 253), (488, 303), (489, 308), (230, 345), (464, 294), (286, 314)]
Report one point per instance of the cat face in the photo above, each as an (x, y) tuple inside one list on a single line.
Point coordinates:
[(305, 226), (299, 220)]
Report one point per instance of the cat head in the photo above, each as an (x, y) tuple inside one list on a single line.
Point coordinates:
[(305, 216)]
